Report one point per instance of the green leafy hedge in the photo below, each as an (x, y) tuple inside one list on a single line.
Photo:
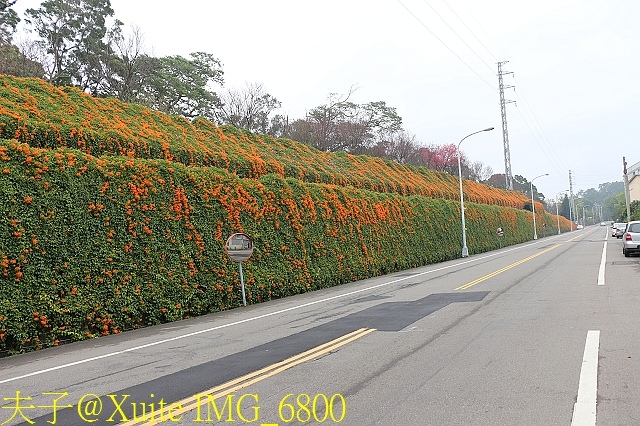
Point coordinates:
[(47, 116), (113, 216), (96, 245)]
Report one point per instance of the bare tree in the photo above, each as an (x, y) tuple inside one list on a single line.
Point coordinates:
[(402, 147), (248, 108), (280, 126), (479, 172), (129, 66), (341, 125), (322, 122), (25, 60)]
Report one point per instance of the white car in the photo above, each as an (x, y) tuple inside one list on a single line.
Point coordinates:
[(631, 239), (618, 230)]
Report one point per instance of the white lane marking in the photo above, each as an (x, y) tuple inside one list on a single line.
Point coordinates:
[(584, 410), (304, 305), (603, 261)]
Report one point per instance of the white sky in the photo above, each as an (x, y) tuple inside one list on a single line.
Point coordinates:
[(575, 62)]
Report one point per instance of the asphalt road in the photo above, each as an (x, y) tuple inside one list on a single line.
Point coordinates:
[(543, 333)]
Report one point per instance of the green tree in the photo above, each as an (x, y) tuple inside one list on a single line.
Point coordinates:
[(497, 180), (565, 207), (598, 196), (616, 204), (8, 22), (520, 183), (635, 210), (73, 33), (181, 86), (4, 4)]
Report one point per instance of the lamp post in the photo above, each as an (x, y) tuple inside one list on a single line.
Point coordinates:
[(465, 250), (558, 213), (533, 207)]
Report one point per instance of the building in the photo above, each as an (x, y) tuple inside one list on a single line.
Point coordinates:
[(633, 174)]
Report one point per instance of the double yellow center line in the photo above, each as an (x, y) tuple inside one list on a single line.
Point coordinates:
[(506, 268), (193, 402)]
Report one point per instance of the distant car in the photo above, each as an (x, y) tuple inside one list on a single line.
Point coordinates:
[(631, 238), (603, 224), (580, 227), (618, 230)]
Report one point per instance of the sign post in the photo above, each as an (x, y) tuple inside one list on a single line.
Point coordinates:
[(239, 247), (500, 233)]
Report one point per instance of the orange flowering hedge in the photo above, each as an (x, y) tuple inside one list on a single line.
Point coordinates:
[(96, 245), (46, 116)]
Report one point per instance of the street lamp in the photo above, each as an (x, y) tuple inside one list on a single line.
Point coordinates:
[(533, 207), (557, 212), (465, 250)]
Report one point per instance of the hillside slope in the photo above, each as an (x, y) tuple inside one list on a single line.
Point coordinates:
[(97, 244), (46, 116)]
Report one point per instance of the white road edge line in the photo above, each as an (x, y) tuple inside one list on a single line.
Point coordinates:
[(304, 305), (584, 410)]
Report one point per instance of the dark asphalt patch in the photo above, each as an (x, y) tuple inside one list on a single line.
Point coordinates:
[(388, 316)]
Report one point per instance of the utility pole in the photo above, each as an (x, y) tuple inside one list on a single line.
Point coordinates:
[(571, 205), (505, 134), (627, 195)]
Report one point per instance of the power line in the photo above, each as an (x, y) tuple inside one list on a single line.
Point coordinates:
[(458, 35), (542, 133), (560, 170), (549, 152), (469, 29), (531, 120), (448, 48), (555, 163)]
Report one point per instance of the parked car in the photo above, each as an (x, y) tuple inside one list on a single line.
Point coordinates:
[(631, 238), (618, 229), (579, 227)]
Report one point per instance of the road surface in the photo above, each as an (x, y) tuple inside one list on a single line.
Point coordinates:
[(543, 333)]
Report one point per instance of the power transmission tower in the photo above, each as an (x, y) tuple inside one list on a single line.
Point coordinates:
[(505, 133)]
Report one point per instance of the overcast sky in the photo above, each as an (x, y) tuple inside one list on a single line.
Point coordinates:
[(576, 66)]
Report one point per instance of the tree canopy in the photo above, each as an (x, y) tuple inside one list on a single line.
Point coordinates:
[(82, 43)]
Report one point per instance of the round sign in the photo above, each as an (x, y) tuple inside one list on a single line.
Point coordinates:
[(239, 247)]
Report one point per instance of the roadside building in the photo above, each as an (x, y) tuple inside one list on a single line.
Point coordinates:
[(633, 174)]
